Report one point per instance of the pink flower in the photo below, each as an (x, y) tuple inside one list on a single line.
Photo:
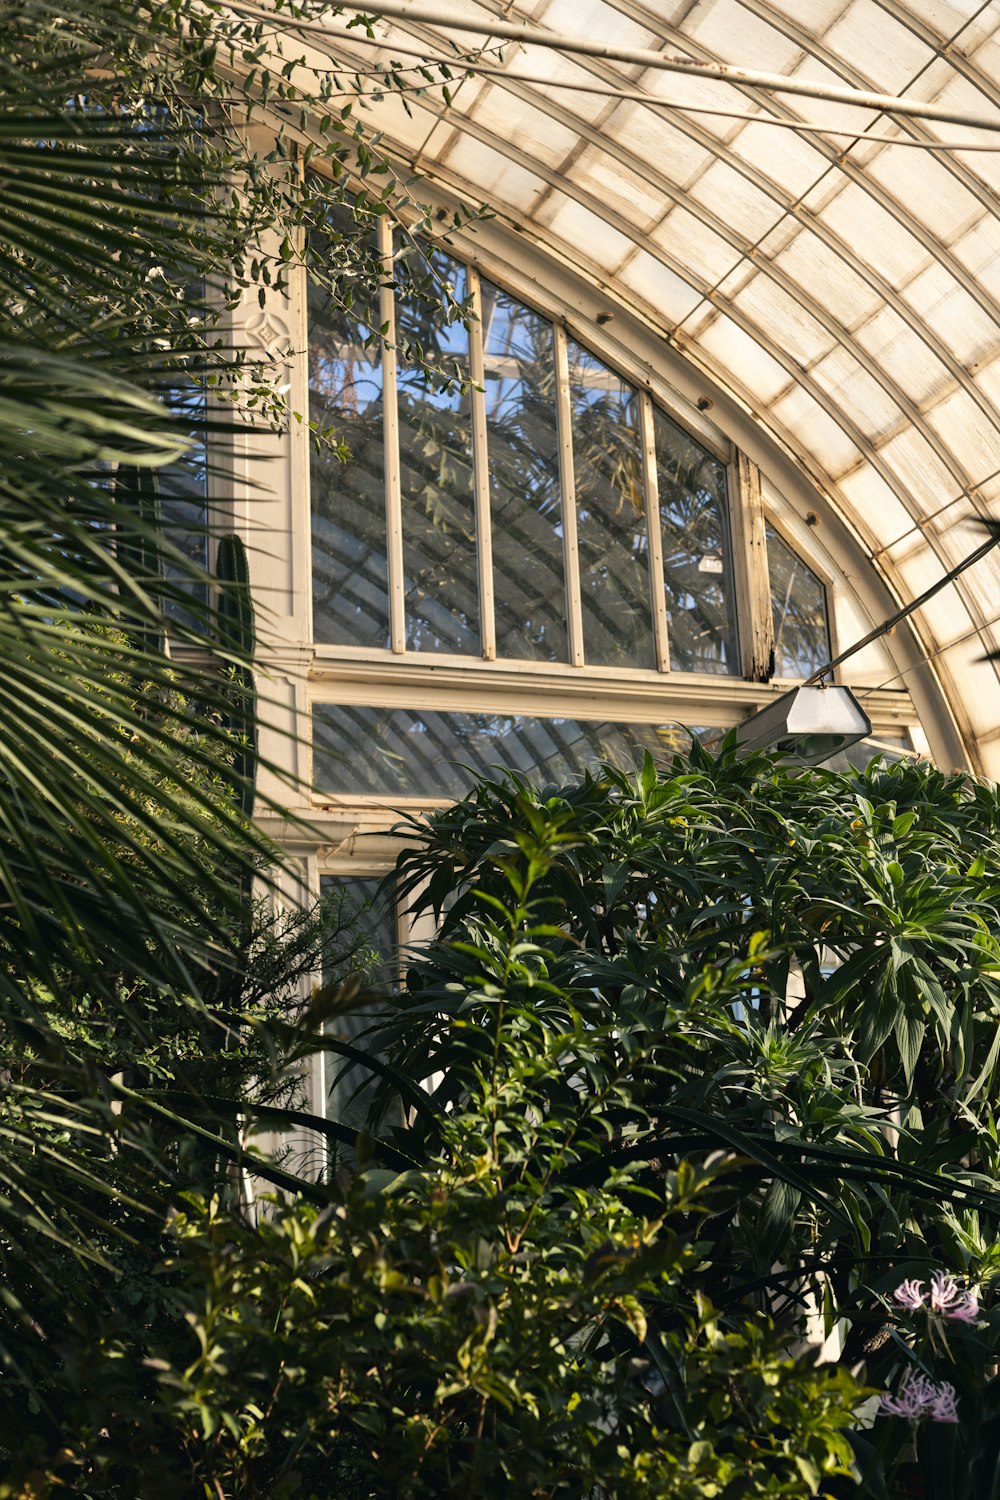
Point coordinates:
[(910, 1294), (946, 1298), (920, 1397)]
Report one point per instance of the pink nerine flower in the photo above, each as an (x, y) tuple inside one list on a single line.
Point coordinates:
[(946, 1298), (920, 1397), (910, 1294)]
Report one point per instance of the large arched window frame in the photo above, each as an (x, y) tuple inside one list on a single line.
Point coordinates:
[(417, 706), (548, 510)]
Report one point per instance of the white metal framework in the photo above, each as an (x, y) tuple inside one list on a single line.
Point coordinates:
[(832, 289)]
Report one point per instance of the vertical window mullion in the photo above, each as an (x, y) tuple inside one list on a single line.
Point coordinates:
[(661, 637), (390, 431), (571, 552), (754, 620), (481, 473)]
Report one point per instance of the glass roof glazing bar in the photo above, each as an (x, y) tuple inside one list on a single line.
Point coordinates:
[(796, 374), (615, 149), (792, 207), (495, 24), (955, 58), (866, 450), (808, 221), (836, 155), (957, 169), (613, 93), (711, 143)]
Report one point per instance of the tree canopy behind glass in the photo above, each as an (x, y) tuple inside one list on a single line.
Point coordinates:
[(798, 603)]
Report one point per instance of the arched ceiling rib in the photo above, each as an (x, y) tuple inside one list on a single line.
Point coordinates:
[(846, 293)]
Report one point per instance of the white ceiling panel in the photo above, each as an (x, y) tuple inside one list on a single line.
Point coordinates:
[(523, 124), (878, 239), (876, 46), (735, 35), (815, 432), (970, 433), (661, 289), (652, 135), (759, 377), (927, 189), (627, 196), (907, 359), (751, 213), (863, 399), (879, 514), (963, 324), (684, 237), (786, 319), (782, 157), (827, 279)]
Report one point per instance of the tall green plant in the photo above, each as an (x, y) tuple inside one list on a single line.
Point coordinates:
[(799, 973)]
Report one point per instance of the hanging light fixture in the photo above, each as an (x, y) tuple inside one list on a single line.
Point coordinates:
[(807, 725)]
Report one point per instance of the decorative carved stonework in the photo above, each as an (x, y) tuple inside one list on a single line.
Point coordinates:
[(267, 332)]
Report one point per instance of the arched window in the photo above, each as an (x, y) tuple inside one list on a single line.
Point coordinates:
[(547, 510), (525, 561)]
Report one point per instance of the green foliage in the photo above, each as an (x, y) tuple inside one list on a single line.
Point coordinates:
[(237, 632), (641, 1155), (797, 975), (612, 1162), (134, 217), (473, 1328)]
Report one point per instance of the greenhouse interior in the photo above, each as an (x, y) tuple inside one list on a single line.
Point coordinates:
[(729, 403), (499, 750)]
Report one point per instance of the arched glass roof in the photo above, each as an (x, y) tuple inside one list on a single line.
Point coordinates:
[(836, 288)]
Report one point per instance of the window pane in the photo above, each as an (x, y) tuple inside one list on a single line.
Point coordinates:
[(525, 496), (798, 603), (696, 569), (350, 588), (610, 516), (351, 1085), (435, 444), (182, 488), (370, 917), (408, 752)]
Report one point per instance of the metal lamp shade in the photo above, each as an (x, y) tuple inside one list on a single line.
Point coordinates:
[(807, 725)]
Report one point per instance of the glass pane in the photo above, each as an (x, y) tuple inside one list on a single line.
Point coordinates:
[(696, 558), (371, 918), (408, 752), (435, 444), (350, 587), (610, 516), (350, 1084), (525, 495), (892, 748), (182, 488), (798, 603)]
